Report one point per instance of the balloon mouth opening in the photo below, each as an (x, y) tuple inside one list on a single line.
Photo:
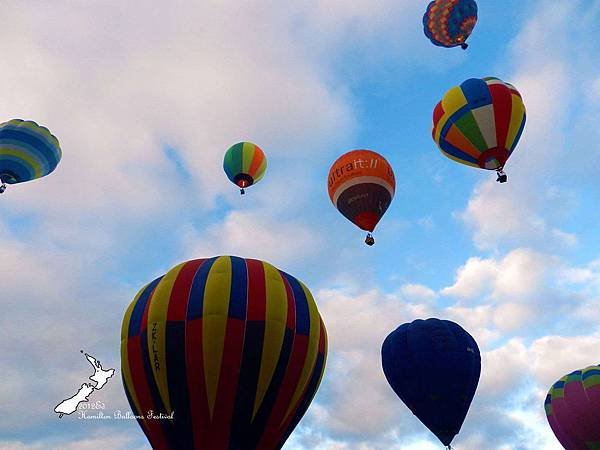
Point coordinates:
[(7, 177), (366, 221), (243, 180), (493, 159)]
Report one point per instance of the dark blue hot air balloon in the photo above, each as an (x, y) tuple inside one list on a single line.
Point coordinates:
[(433, 366)]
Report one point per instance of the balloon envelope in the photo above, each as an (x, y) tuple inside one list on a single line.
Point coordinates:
[(448, 23), (27, 151), (433, 366), (361, 186), (573, 409), (233, 348), (479, 123), (245, 164)]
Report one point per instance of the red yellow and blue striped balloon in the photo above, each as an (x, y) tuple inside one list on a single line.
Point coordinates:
[(479, 123), (573, 409), (448, 23), (245, 164), (27, 151), (230, 350)]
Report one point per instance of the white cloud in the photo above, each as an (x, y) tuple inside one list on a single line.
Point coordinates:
[(501, 367), (417, 292), (115, 101), (520, 274), (250, 234), (117, 85), (512, 214), (512, 316), (357, 324), (515, 369), (473, 279), (555, 356), (115, 441), (587, 275), (523, 211)]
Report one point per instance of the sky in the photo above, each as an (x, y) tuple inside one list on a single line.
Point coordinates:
[(145, 101)]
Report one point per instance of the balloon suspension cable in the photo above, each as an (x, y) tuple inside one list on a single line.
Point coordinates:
[(369, 240), (242, 191), (502, 177), (464, 46)]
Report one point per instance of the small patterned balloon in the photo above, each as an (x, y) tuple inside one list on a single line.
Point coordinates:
[(448, 23)]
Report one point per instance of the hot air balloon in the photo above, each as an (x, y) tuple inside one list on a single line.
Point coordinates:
[(433, 366), (222, 353), (448, 23), (573, 409), (479, 123), (361, 185), (245, 164), (27, 151)]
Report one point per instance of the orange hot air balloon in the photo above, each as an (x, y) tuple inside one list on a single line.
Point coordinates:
[(361, 185)]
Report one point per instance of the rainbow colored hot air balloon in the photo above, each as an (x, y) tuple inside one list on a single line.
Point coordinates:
[(479, 123), (245, 164), (448, 23), (433, 366), (361, 186), (226, 352), (573, 409), (27, 151)]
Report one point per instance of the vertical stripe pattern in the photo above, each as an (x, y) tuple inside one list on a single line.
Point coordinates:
[(230, 351), (573, 409), (244, 164), (27, 151), (479, 123)]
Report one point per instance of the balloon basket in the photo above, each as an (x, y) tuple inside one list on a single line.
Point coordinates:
[(502, 177)]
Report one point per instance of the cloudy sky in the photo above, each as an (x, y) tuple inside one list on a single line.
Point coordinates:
[(145, 100)]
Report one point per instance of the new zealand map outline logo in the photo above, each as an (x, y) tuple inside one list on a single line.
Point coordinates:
[(100, 377)]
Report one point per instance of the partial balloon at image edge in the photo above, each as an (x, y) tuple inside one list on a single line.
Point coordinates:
[(28, 151)]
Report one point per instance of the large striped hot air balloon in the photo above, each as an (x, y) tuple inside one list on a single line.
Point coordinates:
[(27, 151), (245, 164), (433, 366), (448, 23), (361, 186), (573, 409), (230, 352), (479, 123)]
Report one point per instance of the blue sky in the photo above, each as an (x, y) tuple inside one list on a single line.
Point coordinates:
[(145, 101)]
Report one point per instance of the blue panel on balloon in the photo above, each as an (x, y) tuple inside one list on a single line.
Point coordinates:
[(433, 366)]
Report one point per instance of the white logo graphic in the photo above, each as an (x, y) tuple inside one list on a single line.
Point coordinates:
[(100, 377)]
